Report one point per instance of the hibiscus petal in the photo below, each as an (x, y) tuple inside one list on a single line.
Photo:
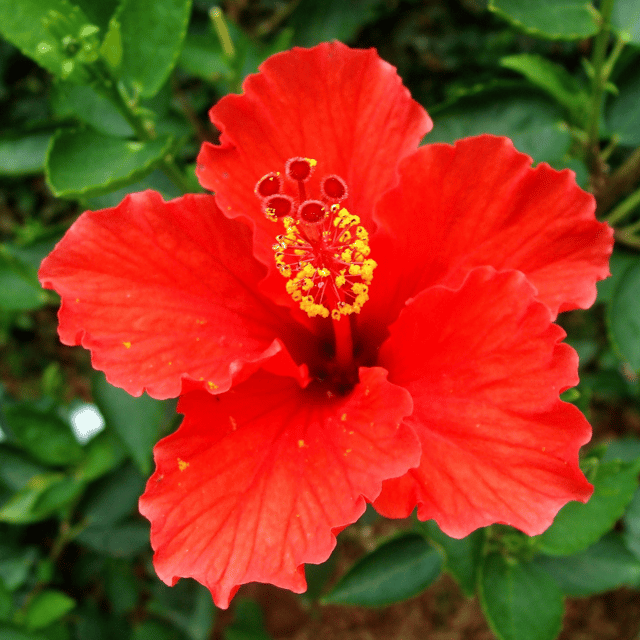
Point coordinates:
[(345, 108), (161, 292), (478, 203), (257, 481), (484, 365)]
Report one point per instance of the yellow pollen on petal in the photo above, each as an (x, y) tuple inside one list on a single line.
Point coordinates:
[(182, 465), (127, 345)]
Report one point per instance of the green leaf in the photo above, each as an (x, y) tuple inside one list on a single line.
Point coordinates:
[(25, 154), (606, 565), (398, 569), (121, 586), (111, 47), (533, 123), (202, 618), (187, 605), (119, 541), (624, 449), (20, 508), (85, 163), (99, 12), (19, 286), (317, 576), (152, 35), (37, 28), (552, 19), (43, 435), (625, 19), (58, 496), (520, 601), (316, 21), (58, 631), (8, 632), (113, 498), (619, 262), (15, 564), (102, 454), (6, 603), (202, 56), (94, 624), (623, 111), (154, 630), (156, 180), (87, 105), (463, 557), (47, 607), (555, 80), (623, 319), (137, 421), (16, 469), (577, 526), (247, 623), (632, 525)]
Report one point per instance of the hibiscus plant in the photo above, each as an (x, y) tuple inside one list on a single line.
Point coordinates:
[(377, 310)]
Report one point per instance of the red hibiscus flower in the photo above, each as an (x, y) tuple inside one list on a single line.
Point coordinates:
[(351, 319)]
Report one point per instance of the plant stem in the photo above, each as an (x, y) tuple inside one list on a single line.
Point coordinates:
[(628, 235), (222, 31), (143, 130), (600, 76), (621, 181), (624, 208)]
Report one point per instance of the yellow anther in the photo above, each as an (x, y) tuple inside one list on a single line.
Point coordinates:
[(326, 266), (367, 270)]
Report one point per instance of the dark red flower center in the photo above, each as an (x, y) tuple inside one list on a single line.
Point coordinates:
[(324, 249)]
